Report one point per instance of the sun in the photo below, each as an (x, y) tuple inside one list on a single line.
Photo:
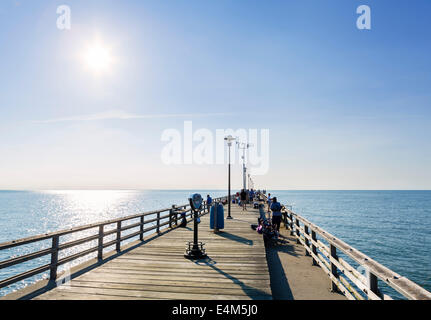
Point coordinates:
[(98, 58)]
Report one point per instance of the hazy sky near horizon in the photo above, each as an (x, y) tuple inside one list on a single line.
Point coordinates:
[(345, 108)]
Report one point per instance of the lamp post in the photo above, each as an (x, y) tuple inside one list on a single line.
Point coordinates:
[(229, 139), (244, 146)]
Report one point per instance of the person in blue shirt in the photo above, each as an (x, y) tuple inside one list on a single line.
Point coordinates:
[(209, 202), (251, 195), (276, 213)]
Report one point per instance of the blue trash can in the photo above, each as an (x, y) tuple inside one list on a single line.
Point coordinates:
[(220, 217)]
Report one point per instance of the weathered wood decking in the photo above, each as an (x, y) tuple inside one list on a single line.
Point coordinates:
[(239, 265), (157, 269)]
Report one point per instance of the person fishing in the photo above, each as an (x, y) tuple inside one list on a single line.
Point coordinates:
[(269, 202), (276, 213)]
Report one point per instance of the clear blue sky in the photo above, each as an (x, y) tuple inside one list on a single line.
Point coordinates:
[(346, 109)]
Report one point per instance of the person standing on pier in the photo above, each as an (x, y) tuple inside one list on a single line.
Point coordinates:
[(276, 213), (209, 202), (243, 196), (251, 194), (269, 202)]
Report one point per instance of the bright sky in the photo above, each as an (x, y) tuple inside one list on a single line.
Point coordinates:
[(86, 107)]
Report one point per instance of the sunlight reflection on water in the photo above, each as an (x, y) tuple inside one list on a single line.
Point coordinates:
[(25, 214)]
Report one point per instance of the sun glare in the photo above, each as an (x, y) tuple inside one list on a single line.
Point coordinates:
[(98, 58)]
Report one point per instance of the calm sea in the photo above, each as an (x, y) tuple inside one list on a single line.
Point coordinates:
[(392, 227)]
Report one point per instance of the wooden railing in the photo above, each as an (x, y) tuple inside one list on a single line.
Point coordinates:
[(344, 277), (156, 224)]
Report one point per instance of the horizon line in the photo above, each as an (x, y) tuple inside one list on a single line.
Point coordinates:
[(188, 189)]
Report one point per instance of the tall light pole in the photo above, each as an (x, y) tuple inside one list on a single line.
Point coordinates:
[(229, 139), (244, 146)]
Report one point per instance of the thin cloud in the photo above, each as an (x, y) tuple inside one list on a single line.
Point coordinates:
[(121, 115)]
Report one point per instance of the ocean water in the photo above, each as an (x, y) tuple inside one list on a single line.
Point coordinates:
[(24, 214), (392, 227)]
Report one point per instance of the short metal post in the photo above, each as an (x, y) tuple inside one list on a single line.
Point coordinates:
[(307, 243), (334, 272), (141, 234), (158, 222), (54, 258), (118, 244), (100, 244), (313, 247)]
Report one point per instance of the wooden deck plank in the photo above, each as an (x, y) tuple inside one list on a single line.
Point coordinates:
[(237, 268)]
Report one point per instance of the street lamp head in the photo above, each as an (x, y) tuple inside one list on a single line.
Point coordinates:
[(229, 140)]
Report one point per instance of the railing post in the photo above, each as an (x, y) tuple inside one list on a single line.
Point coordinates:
[(158, 222), (372, 282), (334, 272), (118, 244), (100, 244), (171, 214), (307, 243), (54, 258), (141, 234), (291, 224), (313, 247), (297, 231)]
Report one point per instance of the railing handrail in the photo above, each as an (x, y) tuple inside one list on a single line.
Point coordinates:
[(174, 211), (41, 237), (401, 284)]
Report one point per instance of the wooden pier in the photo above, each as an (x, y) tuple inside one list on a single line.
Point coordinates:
[(157, 269), (239, 265)]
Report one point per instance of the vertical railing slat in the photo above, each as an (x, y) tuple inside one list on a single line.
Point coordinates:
[(118, 243), (100, 244), (291, 224), (141, 234), (372, 282), (334, 272), (307, 243), (54, 258), (297, 231), (313, 247)]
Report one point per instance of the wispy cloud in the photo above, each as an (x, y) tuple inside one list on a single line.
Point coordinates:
[(121, 115)]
